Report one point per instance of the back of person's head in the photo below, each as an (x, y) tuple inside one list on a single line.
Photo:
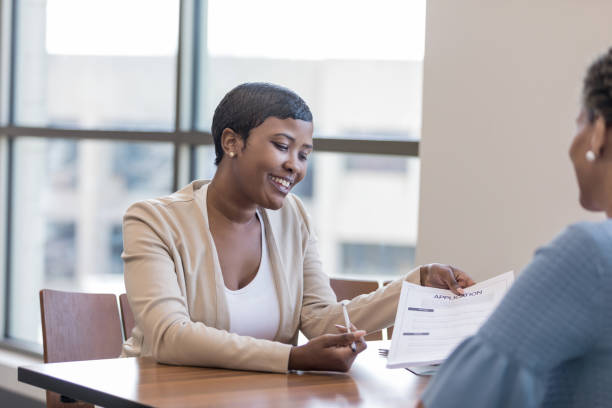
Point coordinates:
[(597, 90), (248, 105)]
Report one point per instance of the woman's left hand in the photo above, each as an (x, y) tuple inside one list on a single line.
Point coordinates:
[(445, 277)]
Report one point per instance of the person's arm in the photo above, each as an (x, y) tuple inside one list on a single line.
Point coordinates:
[(551, 315), (370, 312), (553, 312), (321, 312)]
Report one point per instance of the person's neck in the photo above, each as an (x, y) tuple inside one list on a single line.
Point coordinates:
[(226, 201)]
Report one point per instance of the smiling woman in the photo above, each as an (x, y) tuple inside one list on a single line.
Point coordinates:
[(226, 273), (277, 126), (275, 161)]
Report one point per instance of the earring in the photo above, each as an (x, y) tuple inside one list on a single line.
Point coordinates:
[(231, 154), (590, 156)]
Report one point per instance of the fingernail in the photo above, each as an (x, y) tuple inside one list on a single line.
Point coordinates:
[(340, 326), (360, 333), (460, 290)]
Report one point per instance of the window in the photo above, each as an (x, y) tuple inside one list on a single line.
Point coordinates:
[(359, 83), (68, 198), (59, 251), (107, 102), (96, 64), (371, 259), (116, 248)]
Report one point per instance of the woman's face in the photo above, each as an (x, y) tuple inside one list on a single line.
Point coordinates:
[(274, 160), (586, 172)]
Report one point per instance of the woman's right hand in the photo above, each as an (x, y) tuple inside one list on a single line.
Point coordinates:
[(329, 352)]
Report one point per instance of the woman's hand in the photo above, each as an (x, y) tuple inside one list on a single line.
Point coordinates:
[(329, 352), (445, 277)]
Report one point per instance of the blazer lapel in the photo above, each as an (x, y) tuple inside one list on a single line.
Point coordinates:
[(222, 320), (280, 279)]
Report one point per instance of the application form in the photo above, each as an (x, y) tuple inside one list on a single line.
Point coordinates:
[(431, 322)]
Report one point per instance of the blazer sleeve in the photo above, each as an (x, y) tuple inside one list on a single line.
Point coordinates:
[(320, 310), (153, 285)]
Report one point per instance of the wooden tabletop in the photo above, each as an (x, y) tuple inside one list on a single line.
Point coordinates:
[(141, 382)]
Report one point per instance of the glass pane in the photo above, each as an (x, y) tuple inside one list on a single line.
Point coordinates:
[(359, 83), (68, 202), (97, 63), (364, 208), (205, 162)]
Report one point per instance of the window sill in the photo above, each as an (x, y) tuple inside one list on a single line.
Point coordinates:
[(9, 361)]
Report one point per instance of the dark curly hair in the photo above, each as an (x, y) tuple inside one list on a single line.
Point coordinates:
[(248, 105), (597, 90)]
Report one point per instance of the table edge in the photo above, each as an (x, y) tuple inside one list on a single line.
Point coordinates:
[(63, 387)]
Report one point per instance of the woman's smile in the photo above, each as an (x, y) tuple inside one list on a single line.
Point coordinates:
[(282, 184)]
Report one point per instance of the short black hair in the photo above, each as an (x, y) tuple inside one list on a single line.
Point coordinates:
[(248, 105), (597, 89)]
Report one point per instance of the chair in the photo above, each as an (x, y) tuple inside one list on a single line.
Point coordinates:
[(350, 288), (78, 326), (127, 317)]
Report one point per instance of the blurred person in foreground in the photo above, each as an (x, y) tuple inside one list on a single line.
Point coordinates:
[(549, 343), (226, 273)]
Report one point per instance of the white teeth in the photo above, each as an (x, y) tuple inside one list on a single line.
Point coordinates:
[(279, 180)]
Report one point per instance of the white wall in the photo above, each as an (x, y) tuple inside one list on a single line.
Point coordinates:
[(501, 91)]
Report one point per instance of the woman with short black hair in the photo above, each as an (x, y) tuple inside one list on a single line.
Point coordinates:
[(226, 273)]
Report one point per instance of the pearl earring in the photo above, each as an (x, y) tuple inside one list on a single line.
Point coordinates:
[(231, 154), (590, 156)]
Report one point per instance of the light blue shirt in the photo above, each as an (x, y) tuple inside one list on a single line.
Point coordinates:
[(549, 343)]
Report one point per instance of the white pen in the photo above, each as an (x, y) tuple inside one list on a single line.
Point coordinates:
[(347, 322)]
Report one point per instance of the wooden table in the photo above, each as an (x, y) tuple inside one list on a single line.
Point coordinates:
[(141, 382)]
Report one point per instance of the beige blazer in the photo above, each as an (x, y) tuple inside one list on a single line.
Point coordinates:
[(176, 290)]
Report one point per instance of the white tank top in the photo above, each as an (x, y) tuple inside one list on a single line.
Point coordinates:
[(254, 309)]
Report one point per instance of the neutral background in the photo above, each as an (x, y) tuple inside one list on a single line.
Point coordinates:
[(501, 90)]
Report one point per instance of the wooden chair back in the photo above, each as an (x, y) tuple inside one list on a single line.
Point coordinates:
[(78, 326), (350, 288), (127, 317)]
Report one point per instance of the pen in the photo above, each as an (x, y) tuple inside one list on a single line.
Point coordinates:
[(347, 322)]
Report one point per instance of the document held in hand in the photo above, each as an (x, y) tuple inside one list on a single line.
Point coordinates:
[(431, 322)]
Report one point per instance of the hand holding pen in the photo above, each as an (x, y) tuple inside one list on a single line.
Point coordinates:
[(329, 352)]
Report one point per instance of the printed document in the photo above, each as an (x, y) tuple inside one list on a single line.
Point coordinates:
[(431, 322)]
